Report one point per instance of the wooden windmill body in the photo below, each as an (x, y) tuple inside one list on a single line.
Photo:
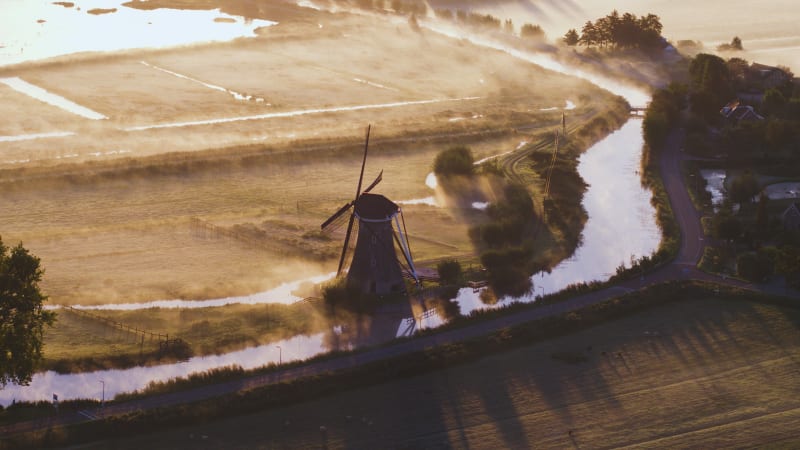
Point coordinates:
[(375, 267)]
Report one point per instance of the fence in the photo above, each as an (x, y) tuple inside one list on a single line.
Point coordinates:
[(134, 331), (248, 235)]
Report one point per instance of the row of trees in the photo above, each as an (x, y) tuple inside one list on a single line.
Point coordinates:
[(619, 31), (490, 22)]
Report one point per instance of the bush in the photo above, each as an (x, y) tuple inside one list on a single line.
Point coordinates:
[(337, 294), (449, 272), (454, 161), (744, 188), (507, 271), (532, 31), (711, 260), (754, 266)]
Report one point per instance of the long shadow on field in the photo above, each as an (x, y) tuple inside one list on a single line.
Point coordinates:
[(501, 408)]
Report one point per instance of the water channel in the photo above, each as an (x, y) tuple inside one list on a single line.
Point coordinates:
[(38, 29), (621, 226)]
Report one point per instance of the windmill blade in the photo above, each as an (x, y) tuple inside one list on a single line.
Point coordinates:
[(336, 215), (363, 163), (374, 183), (336, 225), (346, 241)]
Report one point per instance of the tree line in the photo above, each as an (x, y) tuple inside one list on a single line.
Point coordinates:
[(619, 31)]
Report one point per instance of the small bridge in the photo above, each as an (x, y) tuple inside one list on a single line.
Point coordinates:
[(638, 111)]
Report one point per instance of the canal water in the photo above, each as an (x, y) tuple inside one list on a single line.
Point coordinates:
[(38, 29), (621, 224)]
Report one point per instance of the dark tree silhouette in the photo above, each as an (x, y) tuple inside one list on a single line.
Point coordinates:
[(622, 31), (571, 37), (22, 316)]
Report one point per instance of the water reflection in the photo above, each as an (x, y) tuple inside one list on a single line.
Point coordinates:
[(86, 385), (31, 90), (779, 191), (715, 185), (352, 331), (37, 29), (617, 206)]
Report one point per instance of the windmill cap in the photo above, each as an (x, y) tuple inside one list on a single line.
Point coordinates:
[(375, 207)]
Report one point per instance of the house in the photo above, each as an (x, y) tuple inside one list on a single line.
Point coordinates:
[(791, 217), (767, 76), (734, 112)]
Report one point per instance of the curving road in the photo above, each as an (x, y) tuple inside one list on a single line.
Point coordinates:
[(683, 267)]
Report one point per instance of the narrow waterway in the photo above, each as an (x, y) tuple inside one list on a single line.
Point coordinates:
[(621, 224), (88, 384)]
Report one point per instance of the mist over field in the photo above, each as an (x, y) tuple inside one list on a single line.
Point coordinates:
[(767, 29)]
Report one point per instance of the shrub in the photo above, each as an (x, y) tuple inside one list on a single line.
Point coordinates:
[(337, 294), (454, 161), (532, 31), (754, 266), (449, 272)]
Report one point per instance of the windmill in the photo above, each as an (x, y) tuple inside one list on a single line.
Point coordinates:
[(375, 268)]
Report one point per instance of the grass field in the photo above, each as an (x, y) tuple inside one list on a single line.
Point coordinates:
[(704, 373)]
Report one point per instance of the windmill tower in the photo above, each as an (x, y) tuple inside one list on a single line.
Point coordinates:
[(375, 267)]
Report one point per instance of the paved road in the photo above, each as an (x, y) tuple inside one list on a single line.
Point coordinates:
[(683, 267)]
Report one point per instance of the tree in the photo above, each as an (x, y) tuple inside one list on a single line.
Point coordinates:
[(753, 266), (736, 44), (571, 38), (744, 188), (710, 73), (762, 214), (508, 26), (787, 263), (725, 225), (589, 35), (774, 103), (22, 316), (449, 272), (531, 31), (456, 160), (738, 69)]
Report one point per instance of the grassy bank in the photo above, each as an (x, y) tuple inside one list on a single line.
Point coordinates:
[(88, 342)]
